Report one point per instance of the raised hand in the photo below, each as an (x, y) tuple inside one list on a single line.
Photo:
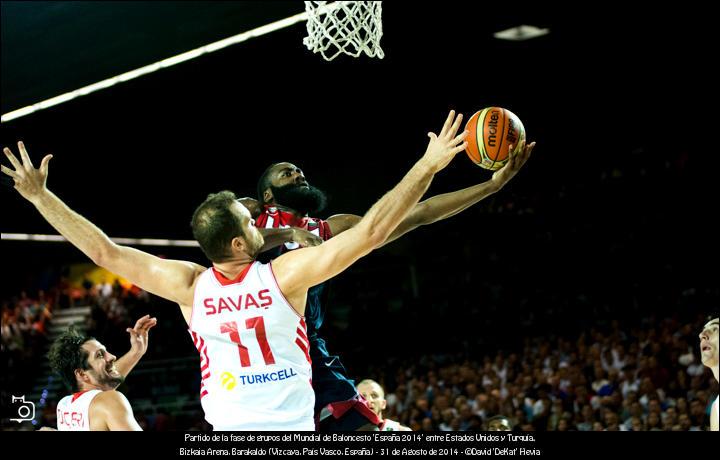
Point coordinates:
[(443, 147), (139, 334), (29, 181), (516, 161)]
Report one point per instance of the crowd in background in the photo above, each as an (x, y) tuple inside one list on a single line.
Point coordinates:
[(611, 378), (641, 373), (542, 304)]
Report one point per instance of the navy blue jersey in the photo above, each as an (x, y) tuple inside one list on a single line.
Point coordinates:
[(329, 377)]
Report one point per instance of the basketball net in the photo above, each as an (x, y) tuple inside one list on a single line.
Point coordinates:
[(351, 28)]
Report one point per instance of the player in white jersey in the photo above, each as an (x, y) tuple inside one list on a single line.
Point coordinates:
[(236, 333), (92, 373), (375, 396), (709, 356)]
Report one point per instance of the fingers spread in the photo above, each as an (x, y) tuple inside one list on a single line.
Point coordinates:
[(460, 137), (25, 157), (455, 125), (8, 153), (44, 164), (10, 172), (459, 148), (448, 122)]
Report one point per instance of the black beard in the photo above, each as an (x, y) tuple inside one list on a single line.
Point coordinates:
[(304, 200), (107, 381)]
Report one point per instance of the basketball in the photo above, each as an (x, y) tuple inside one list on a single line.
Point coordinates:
[(492, 130)]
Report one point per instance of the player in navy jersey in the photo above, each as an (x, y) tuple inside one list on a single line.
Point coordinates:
[(286, 199)]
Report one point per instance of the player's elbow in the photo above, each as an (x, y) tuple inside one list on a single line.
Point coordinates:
[(420, 215), (372, 236), (104, 254), (367, 235)]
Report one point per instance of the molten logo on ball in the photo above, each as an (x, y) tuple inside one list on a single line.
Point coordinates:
[(492, 131), (492, 128), (228, 381)]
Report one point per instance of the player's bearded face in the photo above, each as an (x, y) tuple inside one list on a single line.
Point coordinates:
[(106, 375), (303, 198)]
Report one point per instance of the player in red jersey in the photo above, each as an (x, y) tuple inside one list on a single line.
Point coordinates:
[(286, 199)]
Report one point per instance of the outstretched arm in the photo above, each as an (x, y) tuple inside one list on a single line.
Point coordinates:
[(441, 207), (170, 279), (447, 205), (276, 236), (139, 336), (299, 270)]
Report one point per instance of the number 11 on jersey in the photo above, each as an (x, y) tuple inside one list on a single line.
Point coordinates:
[(257, 323)]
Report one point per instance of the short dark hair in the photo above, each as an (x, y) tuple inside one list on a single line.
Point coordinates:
[(214, 225), (264, 183), (67, 354)]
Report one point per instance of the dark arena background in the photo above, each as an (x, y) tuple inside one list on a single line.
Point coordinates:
[(570, 300)]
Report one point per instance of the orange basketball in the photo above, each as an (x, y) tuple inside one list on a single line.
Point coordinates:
[(492, 130)]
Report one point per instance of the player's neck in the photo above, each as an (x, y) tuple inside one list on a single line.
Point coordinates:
[(89, 386), (715, 370), (295, 213), (231, 269)]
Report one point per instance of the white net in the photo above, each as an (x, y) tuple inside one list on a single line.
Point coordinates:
[(336, 28)]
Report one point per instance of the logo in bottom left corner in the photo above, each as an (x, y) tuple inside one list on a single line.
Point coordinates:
[(228, 381), (26, 410)]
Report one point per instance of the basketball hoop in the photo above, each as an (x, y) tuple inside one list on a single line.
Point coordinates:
[(351, 28)]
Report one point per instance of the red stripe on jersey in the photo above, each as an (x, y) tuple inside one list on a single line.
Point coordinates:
[(261, 219), (302, 323), (78, 394), (203, 393), (272, 217), (204, 347), (303, 347), (302, 335), (202, 351), (326, 232)]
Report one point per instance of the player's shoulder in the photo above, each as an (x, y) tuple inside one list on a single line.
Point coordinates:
[(110, 399)]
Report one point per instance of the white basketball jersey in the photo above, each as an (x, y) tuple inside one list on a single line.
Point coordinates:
[(73, 411), (254, 359)]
